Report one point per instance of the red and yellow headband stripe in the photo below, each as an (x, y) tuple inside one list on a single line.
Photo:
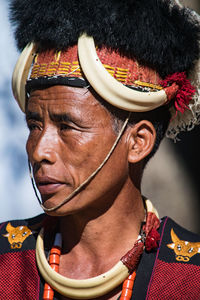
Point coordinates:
[(107, 72), (65, 63)]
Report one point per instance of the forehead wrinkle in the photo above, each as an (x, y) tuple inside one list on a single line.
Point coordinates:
[(76, 91), (60, 103), (64, 112), (64, 101), (78, 104), (77, 95)]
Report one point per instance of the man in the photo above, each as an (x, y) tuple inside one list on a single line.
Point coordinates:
[(106, 79)]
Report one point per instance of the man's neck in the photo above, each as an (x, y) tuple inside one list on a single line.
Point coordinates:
[(94, 242)]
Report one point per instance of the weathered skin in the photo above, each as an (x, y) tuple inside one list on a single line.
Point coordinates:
[(70, 135)]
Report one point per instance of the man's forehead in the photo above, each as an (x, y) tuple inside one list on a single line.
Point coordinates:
[(59, 91), (60, 96), (76, 103)]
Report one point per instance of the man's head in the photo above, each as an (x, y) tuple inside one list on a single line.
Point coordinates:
[(101, 61), (70, 135)]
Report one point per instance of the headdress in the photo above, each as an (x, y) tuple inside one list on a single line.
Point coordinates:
[(138, 54)]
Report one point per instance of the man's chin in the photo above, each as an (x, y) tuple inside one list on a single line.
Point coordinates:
[(51, 202)]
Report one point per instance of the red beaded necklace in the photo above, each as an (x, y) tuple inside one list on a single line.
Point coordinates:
[(54, 260), (148, 240), (127, 287)]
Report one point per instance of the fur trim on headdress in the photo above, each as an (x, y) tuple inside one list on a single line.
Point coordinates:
[(153, 32)]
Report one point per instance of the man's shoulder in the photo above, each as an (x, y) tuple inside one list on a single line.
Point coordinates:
[(179, 243), (33, 220), (18, 235), (18, 259), (169, 223), (173, 272)]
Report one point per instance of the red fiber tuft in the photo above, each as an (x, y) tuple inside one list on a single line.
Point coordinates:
[(152, 240), (184, 93)]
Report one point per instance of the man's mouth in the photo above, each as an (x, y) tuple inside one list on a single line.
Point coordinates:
[(47, 185)]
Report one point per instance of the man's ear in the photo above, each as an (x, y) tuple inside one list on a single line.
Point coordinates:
[(142, 138)]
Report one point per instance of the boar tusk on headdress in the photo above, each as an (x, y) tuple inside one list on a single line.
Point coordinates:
[(103, 83), (20, 74), (108, 87)]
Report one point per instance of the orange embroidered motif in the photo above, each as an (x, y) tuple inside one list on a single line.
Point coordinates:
[(184, 250), (17, 235)]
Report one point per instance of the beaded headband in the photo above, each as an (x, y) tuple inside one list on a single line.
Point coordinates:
[(114, 71), (65, 63)]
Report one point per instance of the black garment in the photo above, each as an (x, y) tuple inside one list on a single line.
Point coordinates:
[(168, 273)]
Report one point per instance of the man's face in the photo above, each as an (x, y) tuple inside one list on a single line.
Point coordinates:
[(70, 135)]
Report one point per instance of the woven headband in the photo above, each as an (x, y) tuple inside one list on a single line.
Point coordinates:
[(107, 86), (110, 74)]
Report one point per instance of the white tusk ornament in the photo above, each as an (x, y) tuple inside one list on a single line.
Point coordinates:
[(83, 288), (108, 87), (20, 74), (103, 83)]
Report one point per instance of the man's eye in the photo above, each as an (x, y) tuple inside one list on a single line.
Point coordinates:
[(65, 126), (33, 126)]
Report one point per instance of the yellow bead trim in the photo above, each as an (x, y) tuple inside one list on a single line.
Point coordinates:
[(146, 84), (64, 68)]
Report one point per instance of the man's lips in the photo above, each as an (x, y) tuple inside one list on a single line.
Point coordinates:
[(47, 185)]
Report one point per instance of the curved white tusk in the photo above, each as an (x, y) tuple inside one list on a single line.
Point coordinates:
[(151, 208), (108, 87), (20, 74), (83, 288), (104, 84)]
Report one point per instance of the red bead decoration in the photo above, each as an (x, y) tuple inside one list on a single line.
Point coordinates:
[(151, 222), (152, 240), (132, 257), (54, 260), (48, 293), (127, 287)]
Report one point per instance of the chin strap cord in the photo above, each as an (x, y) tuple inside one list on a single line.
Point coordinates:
[(84, 183)]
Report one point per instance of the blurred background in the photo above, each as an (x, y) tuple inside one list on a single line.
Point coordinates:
[(171, 179)]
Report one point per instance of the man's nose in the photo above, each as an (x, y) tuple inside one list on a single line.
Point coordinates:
[(46, 147)]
